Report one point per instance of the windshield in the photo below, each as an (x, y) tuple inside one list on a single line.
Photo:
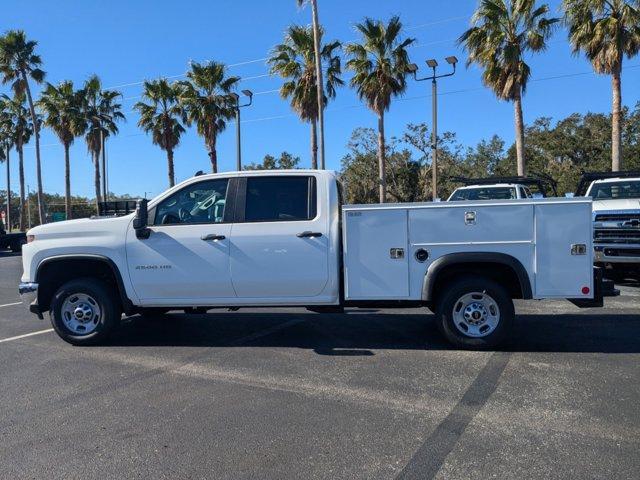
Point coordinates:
[(484, 193), (615, 190)]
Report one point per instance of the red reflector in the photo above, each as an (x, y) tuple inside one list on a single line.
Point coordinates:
[(585, 290)]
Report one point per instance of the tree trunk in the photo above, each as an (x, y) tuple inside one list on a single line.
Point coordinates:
[(616, 121), (320, 85), (213, 156), (36, 132), (23, 213), (519, 124), (67, 182), (8, 212), (382, 180), (96, 178), (172, 179), (314, 145)]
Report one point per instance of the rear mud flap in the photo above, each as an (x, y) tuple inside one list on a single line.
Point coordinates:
[(602, 288)]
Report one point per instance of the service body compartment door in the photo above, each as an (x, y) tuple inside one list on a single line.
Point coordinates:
[(564, 252), (375, 254)]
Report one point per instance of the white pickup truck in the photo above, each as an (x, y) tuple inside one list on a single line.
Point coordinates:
[(616, 216), (267, 238)]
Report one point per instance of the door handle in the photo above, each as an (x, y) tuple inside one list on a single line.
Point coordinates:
[(212, 236), (308, 234)]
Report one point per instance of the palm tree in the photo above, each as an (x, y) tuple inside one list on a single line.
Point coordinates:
[(606, 30), (380, 65), (101, 112), (502, 33), (7, 136), (294, 61), (18, 64), (62, 109), (320, 98), (205, 98), (23, 129), (162, 117)]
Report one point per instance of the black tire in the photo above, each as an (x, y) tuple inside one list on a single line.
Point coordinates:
[(107, 300), (449, 299)]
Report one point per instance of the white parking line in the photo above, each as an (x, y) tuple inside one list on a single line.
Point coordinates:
[(9, 304), (18, 337)]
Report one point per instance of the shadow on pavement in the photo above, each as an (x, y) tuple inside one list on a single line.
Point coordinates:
[(362, 334)]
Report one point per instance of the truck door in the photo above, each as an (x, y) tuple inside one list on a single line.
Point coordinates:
[(185, 260), (280, 238)]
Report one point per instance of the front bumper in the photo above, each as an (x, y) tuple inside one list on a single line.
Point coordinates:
[(29, 294), (617, 254)]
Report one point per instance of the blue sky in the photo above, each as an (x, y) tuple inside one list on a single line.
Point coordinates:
[(125, 42)]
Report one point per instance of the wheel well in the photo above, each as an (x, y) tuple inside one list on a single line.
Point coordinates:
[(500, 273), (55, 273)]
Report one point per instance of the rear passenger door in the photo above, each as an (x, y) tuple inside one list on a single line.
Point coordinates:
[(279, 241)]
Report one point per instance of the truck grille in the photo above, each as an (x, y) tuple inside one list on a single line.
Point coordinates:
[(631, 236), (617, 227), (617, 217)]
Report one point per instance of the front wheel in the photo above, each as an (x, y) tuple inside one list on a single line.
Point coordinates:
[(475, 312), (85, 311)]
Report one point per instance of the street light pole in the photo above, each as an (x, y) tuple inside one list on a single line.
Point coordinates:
[(237, 107), (413, 68)]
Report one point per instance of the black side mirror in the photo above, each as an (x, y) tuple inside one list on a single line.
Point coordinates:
[(141, 219)]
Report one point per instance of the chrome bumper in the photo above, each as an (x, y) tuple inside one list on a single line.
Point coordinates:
[(600, 256), (29, 294)]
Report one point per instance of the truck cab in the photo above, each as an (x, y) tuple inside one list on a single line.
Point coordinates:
[(503, 188), (616, 216), (496, 191)]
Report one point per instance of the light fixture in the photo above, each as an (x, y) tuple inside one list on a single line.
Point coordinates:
[(432, 63), (452, 60), (247, 93), (412, 68), (235, 96)]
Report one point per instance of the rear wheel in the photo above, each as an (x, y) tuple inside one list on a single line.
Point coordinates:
[(475, 312), (85, 311)]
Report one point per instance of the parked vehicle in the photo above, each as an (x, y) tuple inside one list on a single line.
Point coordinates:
[(616, 217), (267, 238), (12, 241), (502, 188)]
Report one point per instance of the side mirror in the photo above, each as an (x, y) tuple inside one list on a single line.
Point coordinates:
[(141, 219)]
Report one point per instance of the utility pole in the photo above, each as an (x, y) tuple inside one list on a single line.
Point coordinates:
[(413, 68), (237, 107)]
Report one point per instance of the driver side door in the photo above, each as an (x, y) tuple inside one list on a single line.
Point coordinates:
[(185, 260)]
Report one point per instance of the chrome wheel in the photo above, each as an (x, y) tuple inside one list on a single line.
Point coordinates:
[(80, 313), (476, 314)]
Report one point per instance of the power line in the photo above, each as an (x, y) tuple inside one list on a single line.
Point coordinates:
[(257, 60), (361, 105)]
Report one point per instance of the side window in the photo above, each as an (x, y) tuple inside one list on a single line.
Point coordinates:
[(201, 202), (523, 194), (527, 192), (280, 199)]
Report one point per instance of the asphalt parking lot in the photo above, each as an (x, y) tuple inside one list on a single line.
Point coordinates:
[(288, 394)]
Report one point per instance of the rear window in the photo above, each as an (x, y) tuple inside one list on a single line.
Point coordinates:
[(280, 199), (493, 193)]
